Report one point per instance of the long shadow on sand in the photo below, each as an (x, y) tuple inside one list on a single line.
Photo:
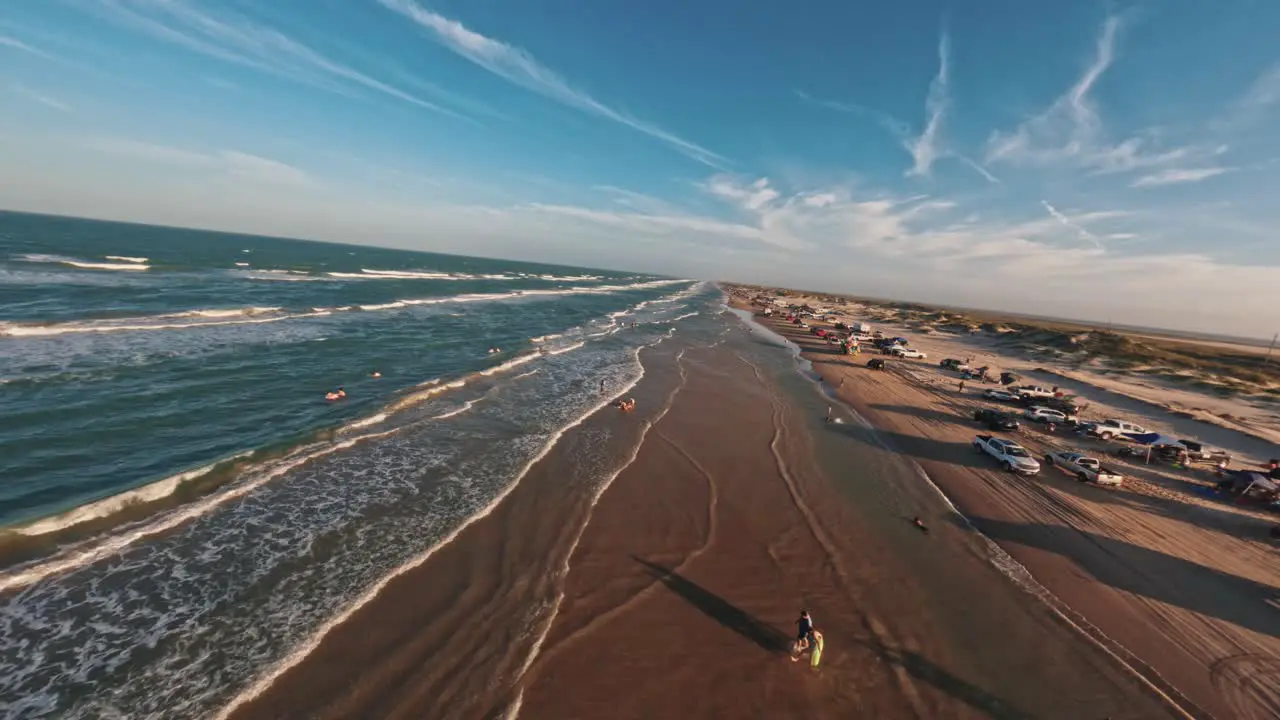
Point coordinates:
[(924, 413), (766, 636), (922, 669), (773, 640), (1138, 570), (921, 448)]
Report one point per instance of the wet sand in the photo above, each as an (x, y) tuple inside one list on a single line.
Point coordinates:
[(1188, 595), (674, 594)]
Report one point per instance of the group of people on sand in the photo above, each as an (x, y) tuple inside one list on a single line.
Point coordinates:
[(341, 394), (626, 405)]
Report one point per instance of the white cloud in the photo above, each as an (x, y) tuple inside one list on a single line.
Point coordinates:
[(926, 147), (228, 163), (1071, 224), (521, 68), (16, 44), (41, 98), (238, 40), (1265, 91), (1176, 176), (1071, 132), (978, 168), (753, 197)]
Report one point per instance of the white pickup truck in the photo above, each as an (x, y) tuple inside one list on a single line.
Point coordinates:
[(1012, 456), (1085, 468), (1112, 428), (1033, 391)]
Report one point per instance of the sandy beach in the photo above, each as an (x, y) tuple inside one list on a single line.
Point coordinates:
[(1185, 592), (670, 589)]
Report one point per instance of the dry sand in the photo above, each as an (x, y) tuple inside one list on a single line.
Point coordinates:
[(1192, 591)]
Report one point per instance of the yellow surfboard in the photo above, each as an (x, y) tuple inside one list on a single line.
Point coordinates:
[(816, 656)]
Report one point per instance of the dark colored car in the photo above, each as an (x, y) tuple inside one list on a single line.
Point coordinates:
[(996, 419), (876, 363)]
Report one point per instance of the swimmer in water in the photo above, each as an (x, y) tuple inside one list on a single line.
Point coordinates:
[(341, 393), (375, 374), (920, 524)]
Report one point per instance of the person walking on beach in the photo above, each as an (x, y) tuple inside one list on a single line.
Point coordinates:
[(961, 386), (601, 386)]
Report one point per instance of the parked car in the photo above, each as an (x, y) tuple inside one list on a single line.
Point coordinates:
[(876, 363), (1085, 468), (954, 364), (1012, 456), (1198, 452), (1117, 429), (1048, 415), (997, 419), (909, 353), (1001, 395)]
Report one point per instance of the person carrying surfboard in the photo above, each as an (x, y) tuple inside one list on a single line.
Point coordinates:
[(804, 626)]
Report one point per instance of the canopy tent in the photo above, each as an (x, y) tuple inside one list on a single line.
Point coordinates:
[(1243, 481), (1157, 440)]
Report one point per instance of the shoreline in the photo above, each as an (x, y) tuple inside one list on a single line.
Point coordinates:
[(680, 570), (1079, 543), (518, 542)]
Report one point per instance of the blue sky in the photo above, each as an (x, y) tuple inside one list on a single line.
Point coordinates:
[(1105, 160)]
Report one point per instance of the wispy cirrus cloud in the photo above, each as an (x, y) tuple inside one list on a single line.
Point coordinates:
[(43, 99), (927, 146), (16, 44), (236, 39), (1071, 131), (1178, 176), (233, 163), (1071, 224), (519, 67)]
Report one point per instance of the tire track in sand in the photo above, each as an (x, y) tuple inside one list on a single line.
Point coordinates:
[(881, 636), (602, 619)]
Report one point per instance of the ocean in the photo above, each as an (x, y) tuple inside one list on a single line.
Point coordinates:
[(181, 507)]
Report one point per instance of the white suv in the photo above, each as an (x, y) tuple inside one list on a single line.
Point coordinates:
[(909, 353), (1047, 415)]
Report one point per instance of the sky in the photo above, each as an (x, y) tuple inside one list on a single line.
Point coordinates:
[(1100, 160)]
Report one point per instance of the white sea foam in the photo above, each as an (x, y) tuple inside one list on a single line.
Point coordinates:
[(234, 316), (84, 264), (512, 363), (126, 258), (98, 326), (456, 411), (242, 264), (366, 422), (91, 552), (108, 506), (567, 348), (105, 265), (568, 278)]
